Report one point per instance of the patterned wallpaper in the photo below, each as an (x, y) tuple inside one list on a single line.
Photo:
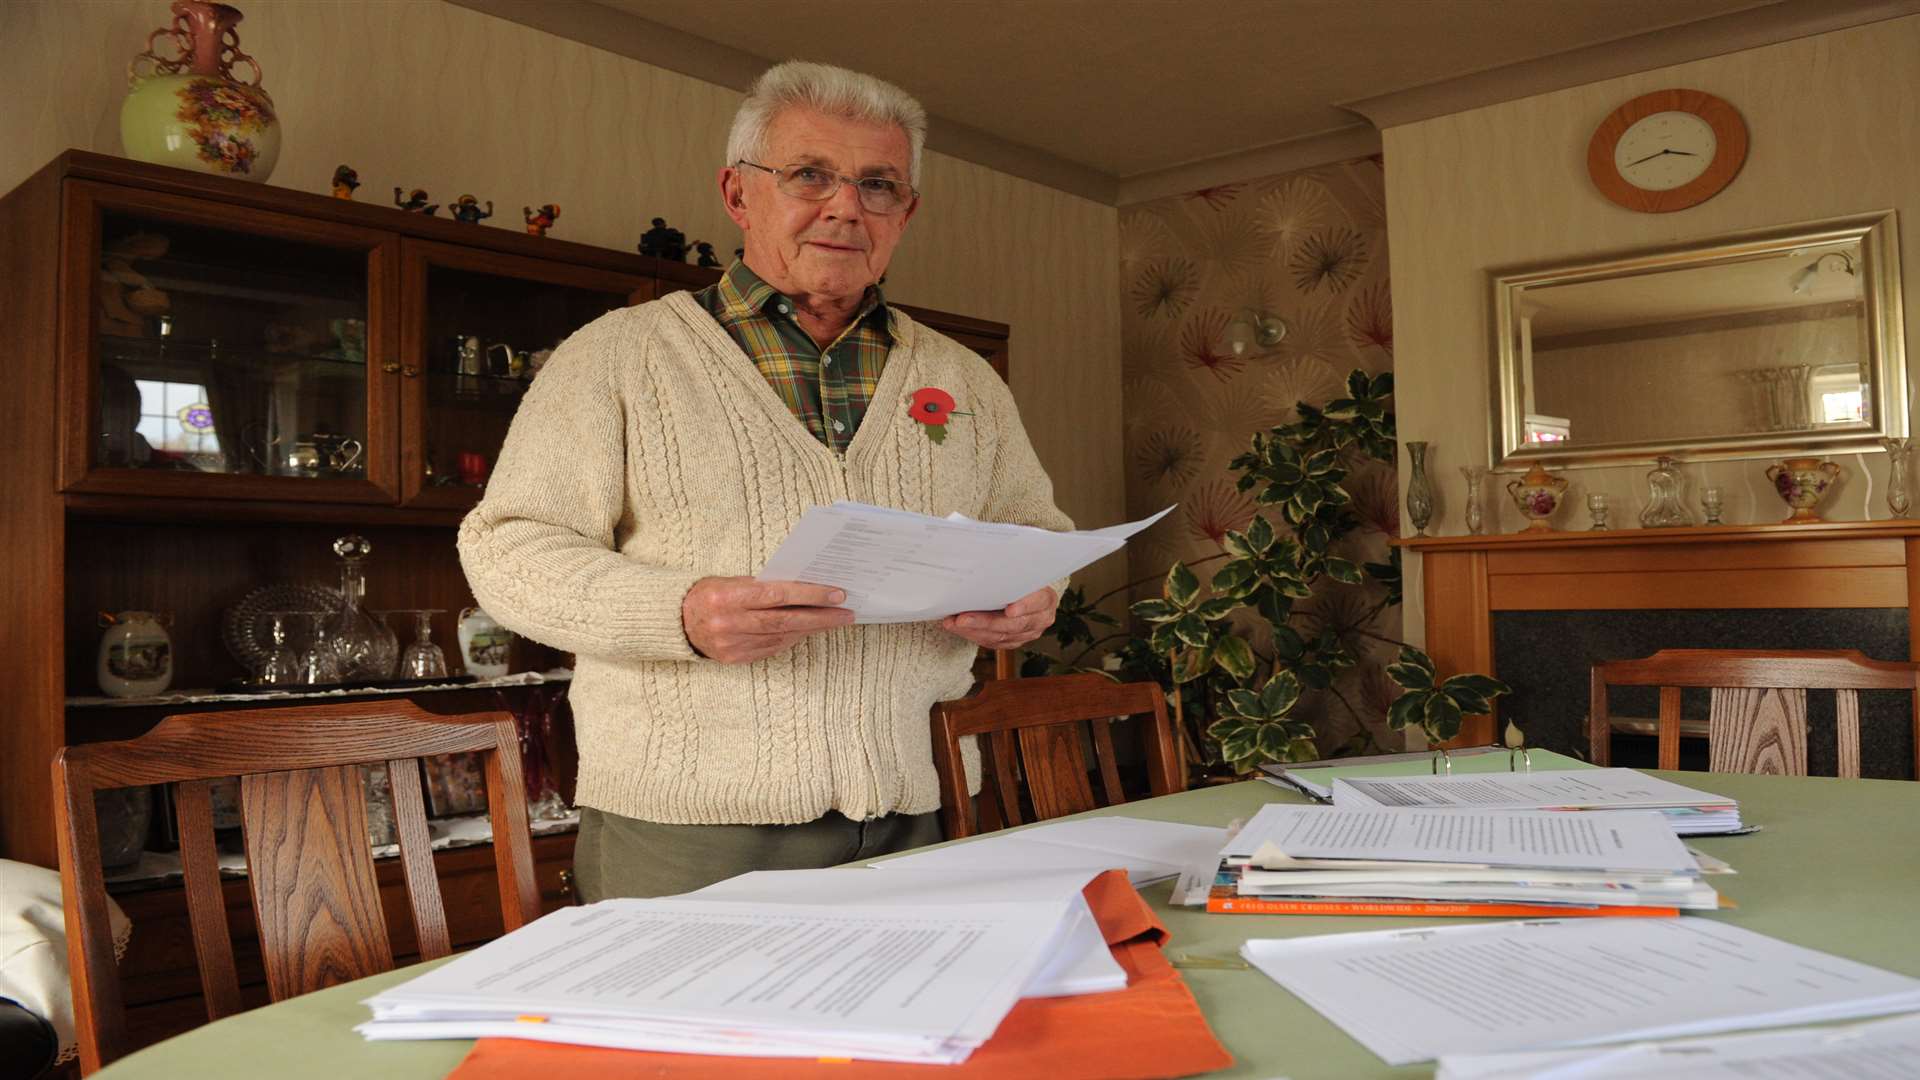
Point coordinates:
[(1311, 248), (420, 93)]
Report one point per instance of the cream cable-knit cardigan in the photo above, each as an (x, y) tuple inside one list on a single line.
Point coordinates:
[(650, 453)]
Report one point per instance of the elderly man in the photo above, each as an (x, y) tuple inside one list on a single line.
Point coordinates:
[(727, 724)]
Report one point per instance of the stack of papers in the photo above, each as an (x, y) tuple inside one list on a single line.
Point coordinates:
[(923, 981), (1415, 995), (1312, 859), (899, 566), (1146, 850), (1880, 1050), (1690, 812)]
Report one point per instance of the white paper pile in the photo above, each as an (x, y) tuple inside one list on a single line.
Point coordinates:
[(899, 566), (1146, 850), (1689, 812), (1625, 858), (923, 981), (1415, 995), (1880, 1050)]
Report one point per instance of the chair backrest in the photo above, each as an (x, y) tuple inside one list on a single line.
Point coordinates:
[(1042, 722), (304, 822), (1757, 721)]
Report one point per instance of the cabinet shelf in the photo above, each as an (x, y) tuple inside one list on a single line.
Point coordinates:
[(276, 697)]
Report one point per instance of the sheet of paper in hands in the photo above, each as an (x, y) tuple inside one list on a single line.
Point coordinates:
[(898, 566)]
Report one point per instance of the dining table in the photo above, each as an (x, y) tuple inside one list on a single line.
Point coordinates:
[(1834, 865)]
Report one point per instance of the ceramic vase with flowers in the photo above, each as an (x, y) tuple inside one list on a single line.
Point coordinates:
[(1538, 495), (184, 107), (1801, 483)]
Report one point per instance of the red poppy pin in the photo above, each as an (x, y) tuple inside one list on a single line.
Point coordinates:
[(931, 406)]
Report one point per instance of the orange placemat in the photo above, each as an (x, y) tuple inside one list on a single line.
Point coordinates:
[(1151, 1029)]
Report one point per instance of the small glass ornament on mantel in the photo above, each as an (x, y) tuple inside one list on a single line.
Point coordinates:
[(1710, 502), (1474, 474), (1419, 488), (1897, 500), (1597, 510), (1664, 508)]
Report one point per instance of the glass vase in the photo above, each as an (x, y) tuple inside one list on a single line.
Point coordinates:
[(1419, 489), (1474, 474), (1664, 508), (1897, 500)]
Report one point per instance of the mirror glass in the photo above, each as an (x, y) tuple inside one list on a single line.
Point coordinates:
[(1744, 346)]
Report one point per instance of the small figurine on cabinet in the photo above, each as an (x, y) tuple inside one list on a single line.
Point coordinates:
[(539, 221), (707, 257), (344, 181), (664, 242), (415, 202), (466, 208)]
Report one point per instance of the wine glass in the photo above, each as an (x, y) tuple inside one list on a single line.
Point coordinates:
[(423, 659), (320, 663), (385, 657), (280, 665)]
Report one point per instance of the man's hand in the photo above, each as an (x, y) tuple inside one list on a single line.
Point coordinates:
[(736, 620), (1020, 622)]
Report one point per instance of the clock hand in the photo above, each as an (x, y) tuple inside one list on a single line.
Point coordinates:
[(1649, 157)]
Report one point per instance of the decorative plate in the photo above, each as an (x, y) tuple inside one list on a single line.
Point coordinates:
[(245, 632)]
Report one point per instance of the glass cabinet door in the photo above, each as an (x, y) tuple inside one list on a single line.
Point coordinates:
[(226, 352), (478, 326)]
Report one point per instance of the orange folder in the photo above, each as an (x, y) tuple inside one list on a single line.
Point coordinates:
[(1151, 1029)]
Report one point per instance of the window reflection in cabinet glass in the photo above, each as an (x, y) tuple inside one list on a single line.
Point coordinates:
[(485, 335), (223, 352)]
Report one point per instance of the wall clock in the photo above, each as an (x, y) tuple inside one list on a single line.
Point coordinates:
[(1667, 150)]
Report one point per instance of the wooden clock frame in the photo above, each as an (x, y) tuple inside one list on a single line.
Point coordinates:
[(1729, 131)]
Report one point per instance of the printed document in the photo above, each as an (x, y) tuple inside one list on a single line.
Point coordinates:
[(1618, 840), (1879, 1050), (1573, 789), (897, 566), (923, 982), (1414, 995), (1146, 850)]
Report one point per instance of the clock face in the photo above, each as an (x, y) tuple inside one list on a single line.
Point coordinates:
[(1662, 151)]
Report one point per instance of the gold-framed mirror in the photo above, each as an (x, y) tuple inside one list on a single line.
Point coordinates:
[(1746, 346)]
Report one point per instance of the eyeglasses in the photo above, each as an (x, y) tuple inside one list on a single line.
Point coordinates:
[(878, 194)]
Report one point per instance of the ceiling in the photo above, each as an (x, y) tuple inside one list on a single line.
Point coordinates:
[(1124, 99)]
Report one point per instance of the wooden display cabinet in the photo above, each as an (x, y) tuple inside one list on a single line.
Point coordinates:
[(309, 341)]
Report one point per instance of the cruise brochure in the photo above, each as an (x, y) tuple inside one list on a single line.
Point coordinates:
[(1415, 995), (899, 566), (1281, 834)]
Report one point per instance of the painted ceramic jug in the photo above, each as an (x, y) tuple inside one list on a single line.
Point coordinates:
[(1801, 482), (1538, 495), (187, 110), (136, 655), (485, 645)]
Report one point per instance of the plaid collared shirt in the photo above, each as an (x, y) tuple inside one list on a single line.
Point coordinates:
[(827, 389)]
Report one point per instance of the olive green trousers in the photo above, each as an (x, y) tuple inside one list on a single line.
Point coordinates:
[(623, 856)]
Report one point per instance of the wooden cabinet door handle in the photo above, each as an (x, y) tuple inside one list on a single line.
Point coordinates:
[(390, 368), (410, 371)]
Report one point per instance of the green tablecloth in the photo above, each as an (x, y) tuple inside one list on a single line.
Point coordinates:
[(1836, 867)]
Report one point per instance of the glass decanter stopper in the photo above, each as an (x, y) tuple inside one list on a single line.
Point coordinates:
[(355, 638), (1664, 508)]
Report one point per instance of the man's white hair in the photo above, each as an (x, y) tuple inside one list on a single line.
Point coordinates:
[(823, 88)]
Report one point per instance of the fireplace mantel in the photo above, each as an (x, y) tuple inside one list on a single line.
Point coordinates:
[(1845, 564)]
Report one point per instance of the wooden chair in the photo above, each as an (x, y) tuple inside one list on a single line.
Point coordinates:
[(1040, 720), (1758, 714), (304, 821)]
